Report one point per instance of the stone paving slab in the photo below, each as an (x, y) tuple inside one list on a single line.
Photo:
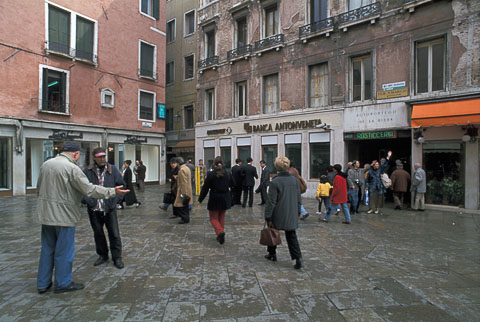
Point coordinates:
[(396, 266)]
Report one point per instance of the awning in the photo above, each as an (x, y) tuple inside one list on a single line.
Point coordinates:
[(184, 146), (446, 113)]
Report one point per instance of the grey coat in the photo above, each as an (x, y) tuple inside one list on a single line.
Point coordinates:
[(419, 181), (283, 204)]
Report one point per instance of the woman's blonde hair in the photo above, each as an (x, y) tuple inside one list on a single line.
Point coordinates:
[(282, 164)]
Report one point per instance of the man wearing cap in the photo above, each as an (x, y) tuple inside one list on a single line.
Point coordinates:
[(102, 212), (400, 181), (60, 188)]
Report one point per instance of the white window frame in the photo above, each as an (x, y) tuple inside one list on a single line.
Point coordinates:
[(73, 31), (184, 114), (153, 107), (235, 99), (362, 87), (185, 34), (173, 80), (185, 67), (146, 14), (140, 41), (67, 89), (430, 43), (205, 113), (103, 93), (174, 30)]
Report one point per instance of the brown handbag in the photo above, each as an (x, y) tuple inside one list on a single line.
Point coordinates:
[(270, 236)]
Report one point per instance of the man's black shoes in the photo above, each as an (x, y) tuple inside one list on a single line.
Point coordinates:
[(70, 288), (100, 261), (118, 263), (44, 290)]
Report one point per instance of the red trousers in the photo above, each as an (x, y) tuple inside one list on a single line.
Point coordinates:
[(217, 219)]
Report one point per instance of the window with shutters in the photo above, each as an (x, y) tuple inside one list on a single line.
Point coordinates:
[(147, 63), (318, 10), (270, 94), (189, 70), (430, 66), (210, 43), (318, 81), (241, 32), (53, 90), (170, 73), (189, 25), (271, 25), (58, 30), (84, 41), (171, 30), (150, 8), (146, 104)]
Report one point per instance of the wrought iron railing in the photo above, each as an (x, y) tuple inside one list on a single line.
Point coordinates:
[(316, 27), (208, 62), (147, 73), (269, 42), (60, 48), (360, 13), (85, 55), (240, 51)]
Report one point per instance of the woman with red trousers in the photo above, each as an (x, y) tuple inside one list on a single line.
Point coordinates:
[(218, 182), (339, 194)]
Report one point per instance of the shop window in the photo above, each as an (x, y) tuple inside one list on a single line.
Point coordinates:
[(170, 73), (5, 164), (208, 157), (271, 25), (146, 102), (355, 4), (269, 153), (209, 113), (241, 32), (319, 158), (318, 79), (226, 154), (444, 164), (362, 78), (188, 117), (430, 66), (149, 154), (189, 23), (270, 94), (241, 98), (294, 153), (54, 89), (150, 8), (189, 70), (107, 98), (318, 10), (244, 152), (169, 119), (171, 30), (148, 53)]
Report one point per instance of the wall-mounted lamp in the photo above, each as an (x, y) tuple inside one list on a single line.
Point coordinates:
[(471, 133), (418, 135)]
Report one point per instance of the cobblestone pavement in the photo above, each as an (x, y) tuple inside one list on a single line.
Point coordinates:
[(396, 266)]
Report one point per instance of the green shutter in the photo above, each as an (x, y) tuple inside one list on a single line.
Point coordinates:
[(146, 60), (84, 41), (59, 30), (156, 9)]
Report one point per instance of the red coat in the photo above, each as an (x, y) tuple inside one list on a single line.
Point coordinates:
[(339, 193)]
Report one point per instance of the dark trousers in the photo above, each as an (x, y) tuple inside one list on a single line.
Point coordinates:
[(263, 193), (98, 219), (236, 195), (293, 246), (182, 212), (247, 193)]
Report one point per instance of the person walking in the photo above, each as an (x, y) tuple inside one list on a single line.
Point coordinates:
[(283, 209), (323, 195), (171, 180), (101, 212), (375, 188), (400, 181), (356, 177), (130, 198), (264, 182), (249, 174), (339, 195), (218, 183), (237, 177), (183, 193), (60, 188), (141, 171), (419, 187)]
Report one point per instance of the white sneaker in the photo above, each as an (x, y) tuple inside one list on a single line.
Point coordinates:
[(318, 213), (370, 211)]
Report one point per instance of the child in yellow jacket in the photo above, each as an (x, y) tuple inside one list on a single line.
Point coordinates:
[(323, 194)]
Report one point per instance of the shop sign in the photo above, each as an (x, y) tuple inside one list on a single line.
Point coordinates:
[(376, 117), (393, 86), (374, 135), (281, 126), (160, 111), (393, 93)]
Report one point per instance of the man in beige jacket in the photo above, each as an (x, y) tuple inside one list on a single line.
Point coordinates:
[(60, 188), (183, 192)]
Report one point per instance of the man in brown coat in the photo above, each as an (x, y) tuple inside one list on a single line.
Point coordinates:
[(183, 192), (400, 181)]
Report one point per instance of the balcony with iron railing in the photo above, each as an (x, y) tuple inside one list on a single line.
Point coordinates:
[(240, 52), (209, 62), (363, 14), (270, 43), (147, 73), (322, 27)]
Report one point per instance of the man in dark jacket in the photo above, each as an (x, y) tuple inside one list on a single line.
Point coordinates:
[(264, 181), (102, 212), (237, 177), (400, 181), (249, 174), (141, 170)]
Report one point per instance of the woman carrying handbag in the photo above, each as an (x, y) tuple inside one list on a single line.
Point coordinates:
[(283, 208)]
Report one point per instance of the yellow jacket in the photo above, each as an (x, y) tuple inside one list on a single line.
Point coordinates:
[(323, 190)]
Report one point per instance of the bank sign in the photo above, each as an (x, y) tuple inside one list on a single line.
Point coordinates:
[(373, 135), (281, 126)]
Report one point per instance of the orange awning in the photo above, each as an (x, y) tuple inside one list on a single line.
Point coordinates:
[(446, 113)]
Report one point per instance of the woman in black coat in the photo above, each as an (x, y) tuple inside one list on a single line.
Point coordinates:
[(218, 182), (130, 198)]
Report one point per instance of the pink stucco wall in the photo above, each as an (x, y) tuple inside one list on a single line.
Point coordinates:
[(23, 26)]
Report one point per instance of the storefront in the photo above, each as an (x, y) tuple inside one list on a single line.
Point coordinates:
[(25, 145), (445, 143), (311, 141)]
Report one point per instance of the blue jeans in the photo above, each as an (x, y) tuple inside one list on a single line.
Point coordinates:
[(326, 203), (58, 251), (334, 206), (303, 212), (353, 198)]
